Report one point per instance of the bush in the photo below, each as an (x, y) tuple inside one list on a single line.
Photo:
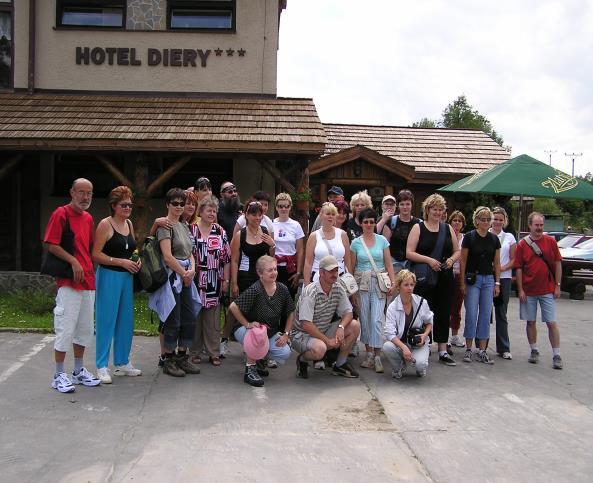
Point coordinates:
[(36, 302)]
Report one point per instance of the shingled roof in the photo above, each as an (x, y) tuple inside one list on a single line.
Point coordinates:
[(94, 122), (454, 151)]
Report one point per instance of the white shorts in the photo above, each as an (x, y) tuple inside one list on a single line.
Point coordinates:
[(73, 318)]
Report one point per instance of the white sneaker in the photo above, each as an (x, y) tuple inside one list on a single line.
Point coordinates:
[(62, 383), (85, 378), (421, 373), (369, 361), (272, 364), (507, 355), (456, 341), (224, 348), (103, 375), (126, 370), (319, 365), (378, 365)]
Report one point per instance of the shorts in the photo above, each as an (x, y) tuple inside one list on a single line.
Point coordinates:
[(73, 318), (528, 309), (301, 341)]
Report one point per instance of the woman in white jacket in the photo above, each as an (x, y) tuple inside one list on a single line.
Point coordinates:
[(407, 316)]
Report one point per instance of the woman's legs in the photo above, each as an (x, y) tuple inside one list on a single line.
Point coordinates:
[(107, 305), (503, 343), (124, 327)]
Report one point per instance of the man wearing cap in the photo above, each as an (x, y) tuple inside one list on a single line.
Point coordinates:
[(324, 321), (334, 194)]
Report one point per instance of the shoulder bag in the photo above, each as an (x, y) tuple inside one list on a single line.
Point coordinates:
[(538, 251), (382, 277), (55, 266), (426, 277)]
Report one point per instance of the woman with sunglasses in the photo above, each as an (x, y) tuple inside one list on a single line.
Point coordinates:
[(290, 250), (370, 299), (252, 242), (263, 198), (112, 249)]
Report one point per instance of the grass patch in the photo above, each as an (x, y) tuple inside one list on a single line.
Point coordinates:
[(34, 310)]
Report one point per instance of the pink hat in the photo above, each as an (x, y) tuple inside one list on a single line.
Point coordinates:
[(256, 343)]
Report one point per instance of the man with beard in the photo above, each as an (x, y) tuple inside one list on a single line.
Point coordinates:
[(75, 300), (229, 208)]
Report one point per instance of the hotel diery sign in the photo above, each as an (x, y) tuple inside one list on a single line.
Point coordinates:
[(152, 56)]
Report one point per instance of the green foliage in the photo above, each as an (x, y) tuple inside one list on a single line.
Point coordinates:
[(425, 122), (38, 302), (547, 206)]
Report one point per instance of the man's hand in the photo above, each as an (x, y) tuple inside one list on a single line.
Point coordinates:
[(522, 296), (294, 280), (340, 336), (77, 271), (496, 290), (332, 343), (557, 292)]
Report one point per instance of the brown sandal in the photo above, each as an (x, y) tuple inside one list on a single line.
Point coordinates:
[(196, 359), (215, 361)]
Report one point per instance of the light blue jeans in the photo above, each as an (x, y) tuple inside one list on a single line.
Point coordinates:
[(372, 315), (279, 354), (478, 307)]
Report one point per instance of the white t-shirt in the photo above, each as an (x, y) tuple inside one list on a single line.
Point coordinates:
[(506, 241), (265, 221), (286, 234)]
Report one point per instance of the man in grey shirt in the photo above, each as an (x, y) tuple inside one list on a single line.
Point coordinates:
[(324, 321)]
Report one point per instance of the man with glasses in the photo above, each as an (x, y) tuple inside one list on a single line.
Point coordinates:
[(229, 209), (75, 300)]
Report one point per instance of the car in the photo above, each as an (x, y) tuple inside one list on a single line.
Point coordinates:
[(558, 235), (573, 240), (582, 251)]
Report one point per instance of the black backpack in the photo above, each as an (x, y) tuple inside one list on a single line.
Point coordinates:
[(153, 272)]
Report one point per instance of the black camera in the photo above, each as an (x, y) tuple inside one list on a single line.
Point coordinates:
[(413, 338)]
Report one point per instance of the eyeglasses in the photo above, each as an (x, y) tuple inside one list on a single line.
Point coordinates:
[(126, 206), (368, 222), (484, 220), (229, 189), (282, 207), (177, 203)]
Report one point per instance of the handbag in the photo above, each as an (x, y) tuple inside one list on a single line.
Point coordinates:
[(382, 277), (426, 277), (55, 266), (347, 280)]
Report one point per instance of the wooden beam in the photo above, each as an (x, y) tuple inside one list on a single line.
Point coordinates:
[(9, 165), (166, 175), (117, 174), (276, 174)]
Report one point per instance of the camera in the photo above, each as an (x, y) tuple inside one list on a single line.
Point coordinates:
[(413, 337)]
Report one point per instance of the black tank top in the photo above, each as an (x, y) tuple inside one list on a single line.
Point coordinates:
[(252, 252), (428, 240), (119, 246)]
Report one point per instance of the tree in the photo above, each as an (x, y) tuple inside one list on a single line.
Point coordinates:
[(425, 122)]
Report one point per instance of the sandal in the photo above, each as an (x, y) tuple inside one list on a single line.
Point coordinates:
[(215, 361), (196, 359)]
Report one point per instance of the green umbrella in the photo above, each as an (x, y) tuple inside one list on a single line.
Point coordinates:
[(524, 176)]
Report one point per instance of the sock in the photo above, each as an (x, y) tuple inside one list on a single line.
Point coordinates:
[(77, 364), (59, 367), (442, 353), (533, 347), (555, 351), (341, 360)]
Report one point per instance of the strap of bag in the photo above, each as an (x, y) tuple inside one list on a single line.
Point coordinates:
[(370, 257), (538, 251), (438, 247), (67, 225), (329, 249), (405, 336)]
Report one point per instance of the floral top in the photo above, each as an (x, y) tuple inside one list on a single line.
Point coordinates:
[(211, 253)]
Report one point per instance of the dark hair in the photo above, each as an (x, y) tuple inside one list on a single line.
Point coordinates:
[(202, 183), (118, 194), (342, 206), (175, 194), (261, 196), (367, 213), (254, 207), (404, 195)]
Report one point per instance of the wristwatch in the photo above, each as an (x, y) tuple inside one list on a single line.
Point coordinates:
[(340, 326)]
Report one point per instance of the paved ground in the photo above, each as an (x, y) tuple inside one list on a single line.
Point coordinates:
[(509, 422)]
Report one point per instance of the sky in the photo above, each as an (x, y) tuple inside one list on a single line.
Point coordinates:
[(527, 65)]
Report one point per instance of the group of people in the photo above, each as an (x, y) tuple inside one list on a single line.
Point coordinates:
[(393, 281)]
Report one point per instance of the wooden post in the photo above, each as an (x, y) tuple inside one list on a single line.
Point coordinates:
[(302, 216)]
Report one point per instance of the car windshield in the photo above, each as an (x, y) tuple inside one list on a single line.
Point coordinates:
[(568, 241), (586, 245)]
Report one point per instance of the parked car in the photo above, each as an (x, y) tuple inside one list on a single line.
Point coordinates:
[(582, 251), (570, 241)]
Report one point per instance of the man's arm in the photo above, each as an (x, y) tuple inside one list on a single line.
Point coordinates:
[(558, 278)]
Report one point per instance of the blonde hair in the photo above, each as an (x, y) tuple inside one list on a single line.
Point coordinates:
[(498, 210), (328, 208), (262, 261), (402, 276), (283, 197), (361, 196), (434, 200), (480, 209)]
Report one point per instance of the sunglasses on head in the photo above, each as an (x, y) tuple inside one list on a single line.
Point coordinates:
[(177, 203), (126, 205)]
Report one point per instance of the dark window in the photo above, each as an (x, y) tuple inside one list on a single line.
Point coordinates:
[(201, 15), (5, 44), (95, 14)]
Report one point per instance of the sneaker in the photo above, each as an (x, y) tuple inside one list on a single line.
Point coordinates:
[(272, 364), (85, 378), (447, 360), (126, 370), (355, 351), (302, 368), (369, 361), (62, 383), (251, 376), (224, 348), (483, 357), (557, 362), (378, 365), (319, 365), (456, 341), (161, 360), (261, 367), (421, 373), (171, 368), (467, 357), (507, 356), (345, 370), (103, 375), (534, 356), (186, 365), (449, 349), (399, 373)]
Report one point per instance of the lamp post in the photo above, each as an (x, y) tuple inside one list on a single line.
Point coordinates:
[(549, 152), (573, 155)]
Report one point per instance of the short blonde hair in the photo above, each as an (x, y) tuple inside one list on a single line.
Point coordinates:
[(361, 196), (328, 208), (262, 261), (434, 200), (283, 197), (478, 210), (402, 276), (499, 210)]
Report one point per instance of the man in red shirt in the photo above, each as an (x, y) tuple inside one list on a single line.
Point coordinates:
[(538, 267), (75, 300)]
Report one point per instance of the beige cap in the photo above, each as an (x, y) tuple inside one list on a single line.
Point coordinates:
[(388, 197), (328, 263)]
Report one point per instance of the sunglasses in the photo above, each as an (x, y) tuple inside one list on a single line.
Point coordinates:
[(177, 204), (127, 205), (368, 222), (486, 220), (282, 207), (229, 189)]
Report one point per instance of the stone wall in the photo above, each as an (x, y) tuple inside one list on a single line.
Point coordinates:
[(33, 281), (147, 15)]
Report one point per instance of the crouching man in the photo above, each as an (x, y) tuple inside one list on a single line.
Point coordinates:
[(324, 321)]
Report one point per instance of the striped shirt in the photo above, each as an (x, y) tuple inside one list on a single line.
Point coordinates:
[(319, 308)]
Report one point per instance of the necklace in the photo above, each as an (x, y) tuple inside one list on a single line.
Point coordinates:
[(254, 235), (120, 229)]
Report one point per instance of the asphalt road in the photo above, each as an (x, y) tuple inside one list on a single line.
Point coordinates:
[(512, 421)]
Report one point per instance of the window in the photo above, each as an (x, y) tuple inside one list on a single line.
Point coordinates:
[(201, 15), (95, 14), (5, 44)]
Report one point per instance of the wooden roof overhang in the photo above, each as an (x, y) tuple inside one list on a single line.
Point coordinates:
[(361, 152)]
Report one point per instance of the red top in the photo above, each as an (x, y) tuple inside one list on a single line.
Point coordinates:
[(537, 279), (82, 226)]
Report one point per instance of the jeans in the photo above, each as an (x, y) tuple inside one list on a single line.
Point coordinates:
[(372, 315), (395, 356), (500, 312), (478, 307), (179, 327)]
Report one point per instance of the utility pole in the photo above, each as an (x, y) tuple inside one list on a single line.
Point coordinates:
[(573, 155), (549, 152)]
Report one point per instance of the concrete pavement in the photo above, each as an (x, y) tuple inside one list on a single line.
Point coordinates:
[(512, 421)]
